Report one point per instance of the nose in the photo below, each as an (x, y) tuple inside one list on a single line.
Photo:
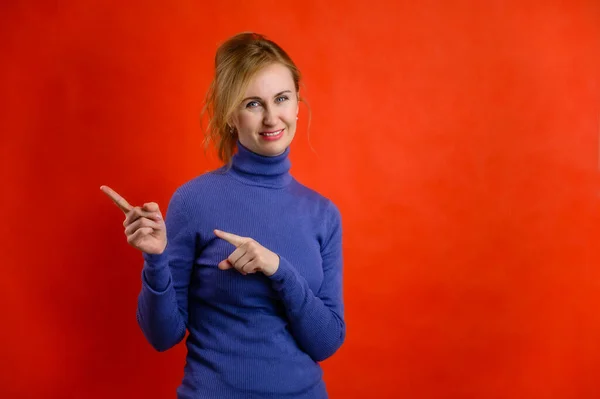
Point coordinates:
[(269, 117)]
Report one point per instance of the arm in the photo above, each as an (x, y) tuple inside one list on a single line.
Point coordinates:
[(162, 303), (316, 321)]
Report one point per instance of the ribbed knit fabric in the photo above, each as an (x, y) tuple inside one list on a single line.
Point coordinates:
[(249, 336)]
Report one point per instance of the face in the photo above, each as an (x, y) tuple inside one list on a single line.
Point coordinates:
[(266, 119)]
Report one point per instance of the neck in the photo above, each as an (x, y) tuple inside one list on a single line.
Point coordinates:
[(261, 170)]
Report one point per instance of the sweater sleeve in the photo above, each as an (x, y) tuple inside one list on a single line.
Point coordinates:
[(316, 320), (162, 303)]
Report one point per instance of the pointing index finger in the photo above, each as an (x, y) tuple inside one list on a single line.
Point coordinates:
[(230, 238), (117, 199)]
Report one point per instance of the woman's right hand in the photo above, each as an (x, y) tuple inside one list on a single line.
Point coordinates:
[(144, 226)]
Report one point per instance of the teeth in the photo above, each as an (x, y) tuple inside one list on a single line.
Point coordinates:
[(272, 134)]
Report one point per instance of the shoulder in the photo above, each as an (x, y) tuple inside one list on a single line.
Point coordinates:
[(321, 204), (198, 188), (206, 182), (203, 181)]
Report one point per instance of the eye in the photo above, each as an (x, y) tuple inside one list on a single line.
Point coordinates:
[(281, 99), (252, 104)]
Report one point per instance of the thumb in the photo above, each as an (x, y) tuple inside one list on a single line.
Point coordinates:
[(151, 207), (224, 265)]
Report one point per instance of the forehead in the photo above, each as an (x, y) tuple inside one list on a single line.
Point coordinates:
[(270, 80)]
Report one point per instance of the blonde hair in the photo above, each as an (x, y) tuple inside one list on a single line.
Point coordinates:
[(237, 60)]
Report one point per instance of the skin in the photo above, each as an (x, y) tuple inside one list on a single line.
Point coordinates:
[(144, 225), (270, 104)]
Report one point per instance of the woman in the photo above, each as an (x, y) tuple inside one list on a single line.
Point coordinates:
[(249, 261)]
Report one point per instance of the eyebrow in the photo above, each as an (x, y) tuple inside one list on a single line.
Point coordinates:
[(260, 99)]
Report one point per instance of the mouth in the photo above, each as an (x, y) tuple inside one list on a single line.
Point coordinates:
[(272, 135)]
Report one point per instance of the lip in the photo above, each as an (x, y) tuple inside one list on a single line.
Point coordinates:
[(271, 131), (272, 138)]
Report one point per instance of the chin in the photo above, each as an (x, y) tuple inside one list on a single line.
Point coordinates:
[(274, 148)]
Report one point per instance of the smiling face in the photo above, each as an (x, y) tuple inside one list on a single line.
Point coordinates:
[(265, 120)]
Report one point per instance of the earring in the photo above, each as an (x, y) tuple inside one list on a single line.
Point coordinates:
[(231, 130)]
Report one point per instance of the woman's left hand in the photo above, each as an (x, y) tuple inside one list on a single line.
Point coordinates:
[(249, 256)]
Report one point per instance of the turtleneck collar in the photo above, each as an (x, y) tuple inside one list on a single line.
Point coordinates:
[(260, 170)]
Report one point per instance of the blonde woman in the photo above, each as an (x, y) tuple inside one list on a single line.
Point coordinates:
[(247, 259)]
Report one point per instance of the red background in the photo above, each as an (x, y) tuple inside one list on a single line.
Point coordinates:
[(459, 140)]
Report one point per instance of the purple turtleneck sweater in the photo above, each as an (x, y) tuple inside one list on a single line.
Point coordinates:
[(249, 336)]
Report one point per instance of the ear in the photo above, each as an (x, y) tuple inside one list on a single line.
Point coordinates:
[(231, 129), (232, 122)]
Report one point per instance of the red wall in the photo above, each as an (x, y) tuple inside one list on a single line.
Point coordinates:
[(459, 141)]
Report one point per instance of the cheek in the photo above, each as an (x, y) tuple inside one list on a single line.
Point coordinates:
[(247, 121), (290, 116)]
